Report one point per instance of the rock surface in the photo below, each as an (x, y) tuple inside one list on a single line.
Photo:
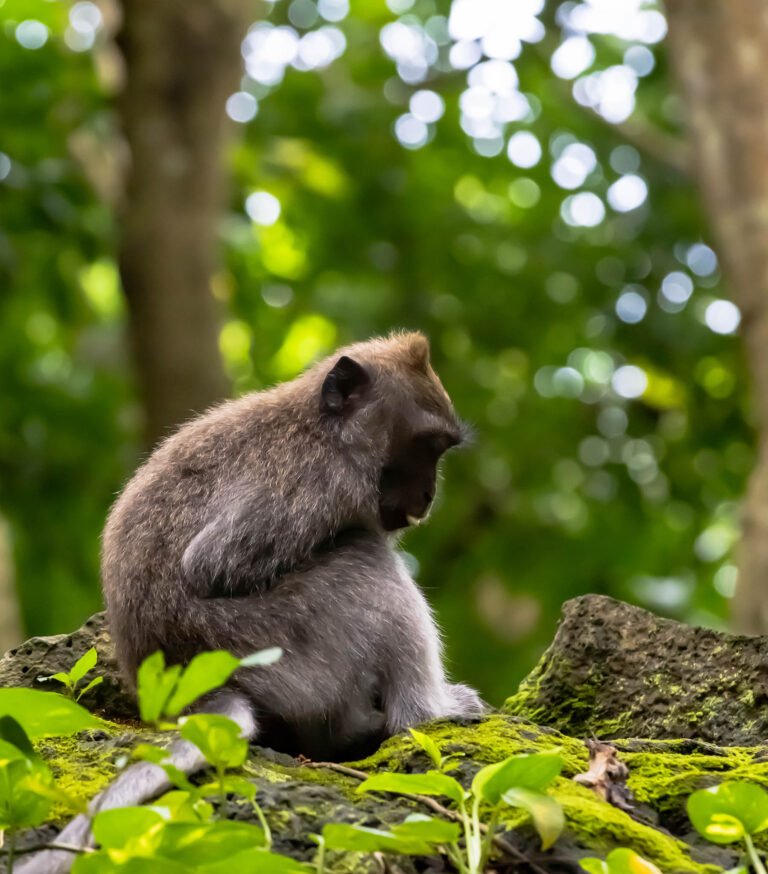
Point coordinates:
[(691, 702), (614, 670)]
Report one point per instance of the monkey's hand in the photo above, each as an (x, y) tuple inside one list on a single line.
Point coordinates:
[(468, 703)]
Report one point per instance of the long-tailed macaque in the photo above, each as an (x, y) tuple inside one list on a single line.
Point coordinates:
[(268, 521)]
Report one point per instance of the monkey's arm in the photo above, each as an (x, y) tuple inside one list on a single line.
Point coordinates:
[(416, 688), (137, 784), (255, 538), (232, 555)]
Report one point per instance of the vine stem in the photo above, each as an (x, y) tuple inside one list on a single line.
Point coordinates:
[(263, 822), (753, 856), (36, 848), (488, 842), (222, 789), (320, 863)]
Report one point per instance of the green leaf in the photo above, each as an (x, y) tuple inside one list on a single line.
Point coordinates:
[(235, 786), (155, 686), (116, 829), (262, 657), (84, 664), (183, 806), (42, 714), (594, 866), (256, 861), (197, 844), (205, 672), (60, 677), (535, 771), (620, 861), (150, 753), (96, 681), (44, 786), (428, 828), (431, 783), (725, 813), (429, 747), (103, 863), (358, 839), (21, 805), (545, 811), (217, 737), (11, 732)]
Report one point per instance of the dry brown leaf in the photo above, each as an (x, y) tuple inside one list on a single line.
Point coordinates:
[(607, 775)]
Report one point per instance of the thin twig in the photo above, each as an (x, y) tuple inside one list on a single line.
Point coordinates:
[(67, 848), (498, 841), (341, 769)]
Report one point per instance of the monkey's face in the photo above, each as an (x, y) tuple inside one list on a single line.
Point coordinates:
[(397, 406), (409, 478)]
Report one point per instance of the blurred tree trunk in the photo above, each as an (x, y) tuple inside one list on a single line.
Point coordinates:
[(182, 60), (10, 621), (718, 50)]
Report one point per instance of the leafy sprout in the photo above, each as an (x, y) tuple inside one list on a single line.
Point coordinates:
[(164, 693), (733, 811), (519, 781), (72, 679), (27, 788), (620, 861)]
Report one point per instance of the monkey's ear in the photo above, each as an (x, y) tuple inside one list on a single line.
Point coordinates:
[(343, 386)]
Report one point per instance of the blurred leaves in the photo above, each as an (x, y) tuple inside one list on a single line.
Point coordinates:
[(613, 430)]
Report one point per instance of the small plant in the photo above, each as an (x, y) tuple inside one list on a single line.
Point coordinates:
[(72, 679), (164, 693), (27, 789), (179, 832), (621, 861), (519, 781), (178, 837), (733, 811)]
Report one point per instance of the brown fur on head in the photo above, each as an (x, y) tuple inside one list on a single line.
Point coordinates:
[(387, 388)]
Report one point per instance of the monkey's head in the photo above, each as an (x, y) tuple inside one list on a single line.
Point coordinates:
[(392, 409)]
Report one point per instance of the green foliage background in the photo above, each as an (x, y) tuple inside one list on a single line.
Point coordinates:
[(372, 236)]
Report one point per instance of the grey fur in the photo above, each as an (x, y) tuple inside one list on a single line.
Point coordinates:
[(261, 523)]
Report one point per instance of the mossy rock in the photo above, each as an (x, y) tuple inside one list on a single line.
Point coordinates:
[(614, 670), (299, 798)]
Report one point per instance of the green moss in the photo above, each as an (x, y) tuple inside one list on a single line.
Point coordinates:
[(491, 740), (599, 826), (662, 777), (298, 799)]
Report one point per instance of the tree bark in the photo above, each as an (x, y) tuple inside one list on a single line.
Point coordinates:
[(182, 60), (718, 50)]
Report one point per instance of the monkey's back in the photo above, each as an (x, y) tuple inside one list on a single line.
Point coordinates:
[(263, 456)]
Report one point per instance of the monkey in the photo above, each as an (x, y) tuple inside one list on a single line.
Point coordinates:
[(271, 520)]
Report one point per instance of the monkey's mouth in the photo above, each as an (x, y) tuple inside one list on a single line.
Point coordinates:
[(395, 518)]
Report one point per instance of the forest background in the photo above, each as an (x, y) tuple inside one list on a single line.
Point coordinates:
[(200, 197)]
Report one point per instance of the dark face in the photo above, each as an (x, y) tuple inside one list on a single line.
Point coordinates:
[(421, 423), (409, 478)]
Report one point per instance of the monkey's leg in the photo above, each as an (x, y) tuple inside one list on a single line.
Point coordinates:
[(416, 688), (137, 784)]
